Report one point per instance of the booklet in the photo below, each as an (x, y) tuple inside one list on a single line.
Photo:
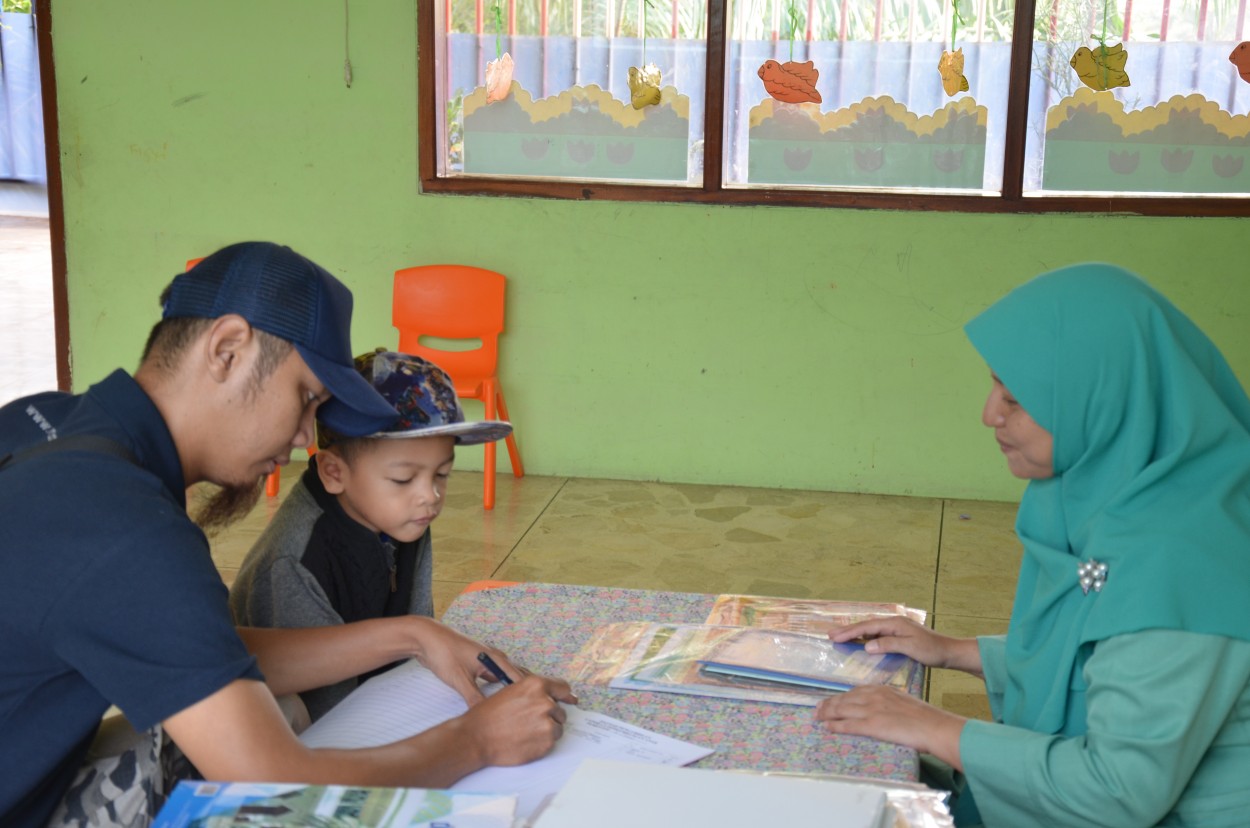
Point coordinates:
[(209, 804)]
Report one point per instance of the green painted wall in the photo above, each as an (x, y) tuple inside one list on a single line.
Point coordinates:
[(778, 347)]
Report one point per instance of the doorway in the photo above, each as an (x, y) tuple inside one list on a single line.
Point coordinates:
[(28, 327)]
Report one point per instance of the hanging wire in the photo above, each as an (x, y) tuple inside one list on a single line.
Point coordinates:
[(646, 4), (792, 12), (956, 19), (347, 56), (1102, 45), (498, 11)]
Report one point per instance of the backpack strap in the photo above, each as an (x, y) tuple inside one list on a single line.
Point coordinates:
[(73, 442)]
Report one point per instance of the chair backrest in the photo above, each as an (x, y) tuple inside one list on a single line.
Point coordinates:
[(450, 302)]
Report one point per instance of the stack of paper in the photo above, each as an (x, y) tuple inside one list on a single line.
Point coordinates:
[(607, 794)]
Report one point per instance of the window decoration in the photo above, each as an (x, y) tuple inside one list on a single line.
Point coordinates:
[(951, 64), (1176, 127), (868, 138), (499, 70), (644, 83), (1101, 105), (560, 107)]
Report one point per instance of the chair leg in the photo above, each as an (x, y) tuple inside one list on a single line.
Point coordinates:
[(488, 472), (514, 453), (488, 460)]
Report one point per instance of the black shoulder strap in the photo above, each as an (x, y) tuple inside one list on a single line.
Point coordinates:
[(73, 442)]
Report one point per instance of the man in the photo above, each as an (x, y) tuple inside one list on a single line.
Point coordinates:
[(110, 597)]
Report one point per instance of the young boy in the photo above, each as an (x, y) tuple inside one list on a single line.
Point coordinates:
[(352, 539)]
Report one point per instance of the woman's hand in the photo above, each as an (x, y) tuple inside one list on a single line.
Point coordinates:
[(892, 715), (896, 634)]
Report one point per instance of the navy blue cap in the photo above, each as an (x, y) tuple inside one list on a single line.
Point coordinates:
[(282, 293)]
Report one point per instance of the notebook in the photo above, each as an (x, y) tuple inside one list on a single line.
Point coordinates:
[(609, 794)]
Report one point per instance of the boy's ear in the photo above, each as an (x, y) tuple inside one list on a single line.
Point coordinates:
[(332, 469)]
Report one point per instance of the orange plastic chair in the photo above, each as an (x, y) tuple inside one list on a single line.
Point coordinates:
[(453, 302), (273, 480)]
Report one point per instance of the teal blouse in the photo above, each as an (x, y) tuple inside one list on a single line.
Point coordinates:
[(1158, 733)]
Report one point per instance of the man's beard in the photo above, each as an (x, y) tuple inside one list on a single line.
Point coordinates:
[(216, 507)]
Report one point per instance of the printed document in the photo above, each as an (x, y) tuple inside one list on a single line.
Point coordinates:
[(409, 699)]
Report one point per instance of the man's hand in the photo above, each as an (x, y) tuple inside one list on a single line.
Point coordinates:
[(520, 723)]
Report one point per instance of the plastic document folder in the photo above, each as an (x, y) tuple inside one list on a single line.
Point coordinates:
[(805, 660), (608, 794)]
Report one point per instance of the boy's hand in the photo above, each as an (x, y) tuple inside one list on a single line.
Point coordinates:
[(453, 658), (520, 723)]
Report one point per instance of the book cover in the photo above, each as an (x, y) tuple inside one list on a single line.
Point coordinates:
[(223, 804)]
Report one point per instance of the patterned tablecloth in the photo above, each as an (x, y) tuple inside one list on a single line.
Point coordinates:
[(542, 626)]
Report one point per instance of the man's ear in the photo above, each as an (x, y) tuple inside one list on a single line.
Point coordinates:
[(332, 469), (226, 345)]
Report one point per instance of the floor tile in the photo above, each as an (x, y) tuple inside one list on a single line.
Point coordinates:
[(980, 559), (955, 691), (471, 542), (723, 539)]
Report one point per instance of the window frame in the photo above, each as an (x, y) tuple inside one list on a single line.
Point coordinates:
[(1010, 200)]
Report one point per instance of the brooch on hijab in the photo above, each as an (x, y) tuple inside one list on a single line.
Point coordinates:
[(1093, 575)]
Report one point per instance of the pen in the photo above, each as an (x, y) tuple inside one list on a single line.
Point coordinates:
[(495, 669)]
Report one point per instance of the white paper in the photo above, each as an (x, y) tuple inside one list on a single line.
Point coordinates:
[(606, 794), (409, 699)]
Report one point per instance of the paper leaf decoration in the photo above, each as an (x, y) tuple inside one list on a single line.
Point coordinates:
[(790, 82), (951, 68), (644, 85), (498, 78), (1240, 57), (1102, 67)]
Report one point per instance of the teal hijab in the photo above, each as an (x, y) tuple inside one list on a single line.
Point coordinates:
[(1152, 477)]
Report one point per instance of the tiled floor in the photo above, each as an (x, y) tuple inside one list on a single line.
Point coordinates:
[(955, 559), (27, 340)]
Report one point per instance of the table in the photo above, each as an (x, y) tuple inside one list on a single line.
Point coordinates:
[(542, 626)]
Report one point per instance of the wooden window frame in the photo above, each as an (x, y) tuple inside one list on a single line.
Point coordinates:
[(713, 191)]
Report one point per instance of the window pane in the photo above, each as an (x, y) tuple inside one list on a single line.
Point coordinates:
[(598, 90), (1139, 96), (849, 94)]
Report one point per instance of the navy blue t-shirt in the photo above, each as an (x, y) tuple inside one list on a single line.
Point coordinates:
[(108, 594)]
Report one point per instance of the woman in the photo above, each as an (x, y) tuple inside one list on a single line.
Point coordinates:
[(1121, 692)]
